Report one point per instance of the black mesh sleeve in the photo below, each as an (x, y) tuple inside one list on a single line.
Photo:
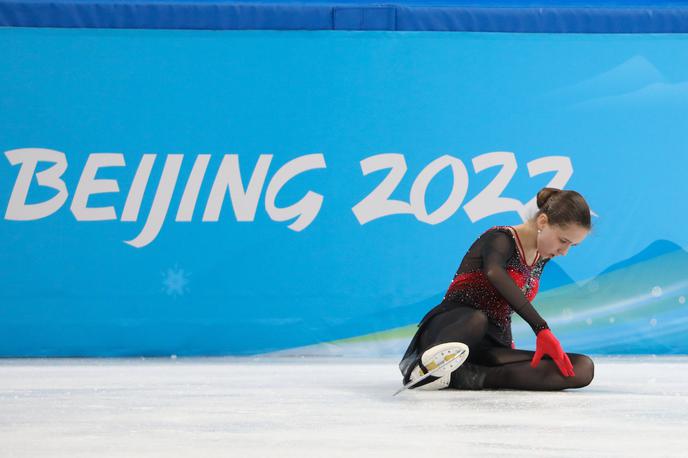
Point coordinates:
[(496, 250)]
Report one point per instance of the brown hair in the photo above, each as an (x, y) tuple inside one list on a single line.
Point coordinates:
[(563, 207)]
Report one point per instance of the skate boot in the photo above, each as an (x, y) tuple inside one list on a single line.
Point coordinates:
[(468, 377), (454, 353)]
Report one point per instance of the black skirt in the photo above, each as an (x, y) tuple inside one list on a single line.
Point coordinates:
[(497, 335)]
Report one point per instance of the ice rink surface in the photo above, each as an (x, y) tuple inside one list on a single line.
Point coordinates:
[(325, 407)]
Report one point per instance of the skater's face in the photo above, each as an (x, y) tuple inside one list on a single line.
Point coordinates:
[(554, 240)]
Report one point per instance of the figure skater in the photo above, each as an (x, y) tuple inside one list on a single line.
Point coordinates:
[(500, 274)]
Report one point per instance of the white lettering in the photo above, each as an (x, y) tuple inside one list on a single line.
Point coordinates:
[(193, 186), (88, 185), (453, 202), (305, 209), (17, 208), (161, 201), (377, 204), (244, 202), (138, 188)]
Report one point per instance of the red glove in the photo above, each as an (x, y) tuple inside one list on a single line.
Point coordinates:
[(547, 344)]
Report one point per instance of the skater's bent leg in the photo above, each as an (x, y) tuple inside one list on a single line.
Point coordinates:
[(519, 375), (461, 324), (489, 354), (499, 367)]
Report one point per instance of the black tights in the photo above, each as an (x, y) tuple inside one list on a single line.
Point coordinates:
[(501, 367)]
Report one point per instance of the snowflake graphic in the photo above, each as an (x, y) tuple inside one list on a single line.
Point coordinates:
[(175, 281)]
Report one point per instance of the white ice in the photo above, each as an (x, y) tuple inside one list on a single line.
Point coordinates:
[(329, 407)]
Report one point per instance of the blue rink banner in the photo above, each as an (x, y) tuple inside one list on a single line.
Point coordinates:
[(246, 192)]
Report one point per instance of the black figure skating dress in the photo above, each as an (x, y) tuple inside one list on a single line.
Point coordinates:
[(493, 281)]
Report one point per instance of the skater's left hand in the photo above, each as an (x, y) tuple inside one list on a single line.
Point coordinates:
[(547, 344)]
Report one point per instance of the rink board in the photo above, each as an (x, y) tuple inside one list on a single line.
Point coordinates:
[(237, 192)]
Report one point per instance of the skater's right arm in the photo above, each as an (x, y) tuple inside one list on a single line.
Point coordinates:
[(496, 250), (495, 253)]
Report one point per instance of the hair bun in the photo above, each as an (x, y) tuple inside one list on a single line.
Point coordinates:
[(544, 195), (563, 207)]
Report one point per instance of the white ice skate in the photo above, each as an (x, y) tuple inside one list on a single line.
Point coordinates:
[(439, 361)]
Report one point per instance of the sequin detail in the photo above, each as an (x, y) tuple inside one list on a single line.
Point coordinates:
[(475, 289)]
